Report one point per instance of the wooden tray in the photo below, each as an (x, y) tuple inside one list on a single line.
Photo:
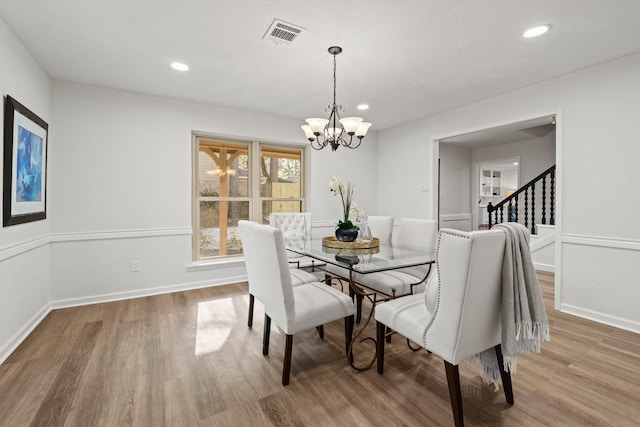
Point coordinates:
[(332, 242)]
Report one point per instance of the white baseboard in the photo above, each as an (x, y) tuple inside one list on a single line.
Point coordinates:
[(549, 268), (23, 333), (119, 296), (607, 319)]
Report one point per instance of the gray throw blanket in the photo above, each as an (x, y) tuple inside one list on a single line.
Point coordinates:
[(524, 319)]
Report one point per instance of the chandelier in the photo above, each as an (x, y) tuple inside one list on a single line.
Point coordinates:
[(335, 131)]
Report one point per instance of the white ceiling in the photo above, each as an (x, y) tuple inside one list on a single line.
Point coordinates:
[(520, 131), (406, 58)]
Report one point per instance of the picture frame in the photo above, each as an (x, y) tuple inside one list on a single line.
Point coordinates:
[(25, 165)]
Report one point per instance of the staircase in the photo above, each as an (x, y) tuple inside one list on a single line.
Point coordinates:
[(532, 205)]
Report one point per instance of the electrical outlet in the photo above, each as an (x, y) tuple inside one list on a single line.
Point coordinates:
[(135, 265)]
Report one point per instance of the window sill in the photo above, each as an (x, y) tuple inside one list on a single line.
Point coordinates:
[(215, 264)]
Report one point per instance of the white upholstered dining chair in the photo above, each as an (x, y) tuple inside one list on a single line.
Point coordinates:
[(298, 277), (419, 233), (296, 229), (296, 226), (459, 315), (293, 309), (381, 227)]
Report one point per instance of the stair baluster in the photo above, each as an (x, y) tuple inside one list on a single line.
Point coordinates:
[(533, 209), (526, 208), (552, 220), (544, 199), (513, 203)]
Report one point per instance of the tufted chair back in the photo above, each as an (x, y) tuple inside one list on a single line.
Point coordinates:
[(291, 222), (465, 302), (268, 270)]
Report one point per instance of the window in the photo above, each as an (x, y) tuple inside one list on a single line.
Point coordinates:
[(235, 180)]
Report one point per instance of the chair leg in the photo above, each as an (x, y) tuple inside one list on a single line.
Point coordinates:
[(348, 334), (453, 380), (286, 367), (506, 376), (380, 333), (389, 335), (358, 308), (327, 279), (265, 334), (251, 302), (320, 331)]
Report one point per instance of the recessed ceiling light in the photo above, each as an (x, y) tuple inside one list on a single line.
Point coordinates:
[(536, 31), (179, 66), (515, 163), (363, 107)]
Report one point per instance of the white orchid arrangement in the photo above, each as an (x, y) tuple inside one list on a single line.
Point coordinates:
[(345, 191)]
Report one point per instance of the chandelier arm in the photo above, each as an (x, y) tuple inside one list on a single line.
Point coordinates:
[(356, 145), (317, 145)]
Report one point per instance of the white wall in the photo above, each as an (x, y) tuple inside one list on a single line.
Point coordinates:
[(123, 189), (597, 130), (24, 251), (455, 187), (536, 155), (405, 174)]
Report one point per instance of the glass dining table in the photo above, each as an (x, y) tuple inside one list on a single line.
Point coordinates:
[(380, 256)]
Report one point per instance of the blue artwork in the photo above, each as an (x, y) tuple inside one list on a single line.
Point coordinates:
[(29, 167)]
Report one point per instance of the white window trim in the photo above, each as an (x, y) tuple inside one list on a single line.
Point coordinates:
[(254, 198)]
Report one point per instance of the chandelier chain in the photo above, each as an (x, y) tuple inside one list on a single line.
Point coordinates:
[(334, 79)]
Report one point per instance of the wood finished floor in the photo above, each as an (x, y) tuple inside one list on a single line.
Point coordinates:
[(188, 359)]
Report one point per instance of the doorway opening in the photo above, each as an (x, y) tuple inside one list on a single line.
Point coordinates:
[(492, 181), (461, 200)]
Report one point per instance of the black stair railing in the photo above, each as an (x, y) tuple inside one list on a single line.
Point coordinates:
[(516, 211)]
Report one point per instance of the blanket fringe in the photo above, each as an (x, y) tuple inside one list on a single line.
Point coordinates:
[(530, 339), (533, 334)]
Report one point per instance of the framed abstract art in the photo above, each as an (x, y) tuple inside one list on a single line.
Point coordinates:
[(25, 165)]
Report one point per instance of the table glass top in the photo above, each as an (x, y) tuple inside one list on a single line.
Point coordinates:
[(388, 256)]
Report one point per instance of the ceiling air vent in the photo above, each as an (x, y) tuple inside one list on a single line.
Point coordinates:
[(282, 32)]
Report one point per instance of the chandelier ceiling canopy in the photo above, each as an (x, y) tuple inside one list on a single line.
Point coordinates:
[(335, 131)]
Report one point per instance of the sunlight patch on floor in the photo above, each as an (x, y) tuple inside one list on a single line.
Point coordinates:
[(215, 320)]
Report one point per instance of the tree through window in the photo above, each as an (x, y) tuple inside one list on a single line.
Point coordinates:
[(228, 188)]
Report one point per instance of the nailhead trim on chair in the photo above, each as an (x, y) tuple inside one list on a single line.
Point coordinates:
[(435, 312)]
